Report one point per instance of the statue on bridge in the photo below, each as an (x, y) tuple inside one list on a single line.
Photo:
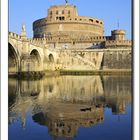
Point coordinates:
[(23, 28), (23, 32)]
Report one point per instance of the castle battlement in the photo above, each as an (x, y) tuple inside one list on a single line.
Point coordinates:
[(125, 43)]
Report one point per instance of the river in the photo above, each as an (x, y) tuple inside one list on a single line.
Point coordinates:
[(70, 107)]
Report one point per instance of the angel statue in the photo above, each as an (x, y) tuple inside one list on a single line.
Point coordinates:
[(66, 1)]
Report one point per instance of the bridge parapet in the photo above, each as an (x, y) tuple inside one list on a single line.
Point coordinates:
[(37, 40), (14, 35)]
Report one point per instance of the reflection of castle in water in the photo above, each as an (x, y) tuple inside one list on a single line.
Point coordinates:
[(64, 120), (67, 103)]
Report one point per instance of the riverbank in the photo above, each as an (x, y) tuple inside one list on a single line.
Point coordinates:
[(97, 72), (41, 74), (27, 75)]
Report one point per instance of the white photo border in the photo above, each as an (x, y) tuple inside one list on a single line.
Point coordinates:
[(4, 69)]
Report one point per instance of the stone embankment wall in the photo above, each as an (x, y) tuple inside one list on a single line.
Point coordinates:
[(120, 59), (99, 59)]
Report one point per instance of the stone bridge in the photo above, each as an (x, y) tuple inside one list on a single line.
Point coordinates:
[(33, 55), (28, 54)]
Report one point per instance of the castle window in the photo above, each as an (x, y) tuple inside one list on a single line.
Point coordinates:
[(61, 18), (56, 12), (63, 12), (69, 12), (75, 18), (50, 12), (97, 21), (63, 131), (101, 23), (80, 19), (91, 20)]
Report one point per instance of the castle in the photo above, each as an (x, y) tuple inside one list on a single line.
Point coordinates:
[(66, 41), (63, 24)]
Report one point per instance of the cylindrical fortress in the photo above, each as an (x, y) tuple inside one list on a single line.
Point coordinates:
[(64, 19)]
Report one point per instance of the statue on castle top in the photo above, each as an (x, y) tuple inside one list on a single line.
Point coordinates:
[(66, 1)]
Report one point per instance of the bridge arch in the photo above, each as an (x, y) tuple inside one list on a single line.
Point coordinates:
[(35, 54), (13, 59), (51, 58), (35, 60)]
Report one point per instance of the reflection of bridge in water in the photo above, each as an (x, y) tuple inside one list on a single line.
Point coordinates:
[(66, 103)]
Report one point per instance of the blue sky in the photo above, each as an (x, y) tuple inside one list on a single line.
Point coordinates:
[(27, 11)]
